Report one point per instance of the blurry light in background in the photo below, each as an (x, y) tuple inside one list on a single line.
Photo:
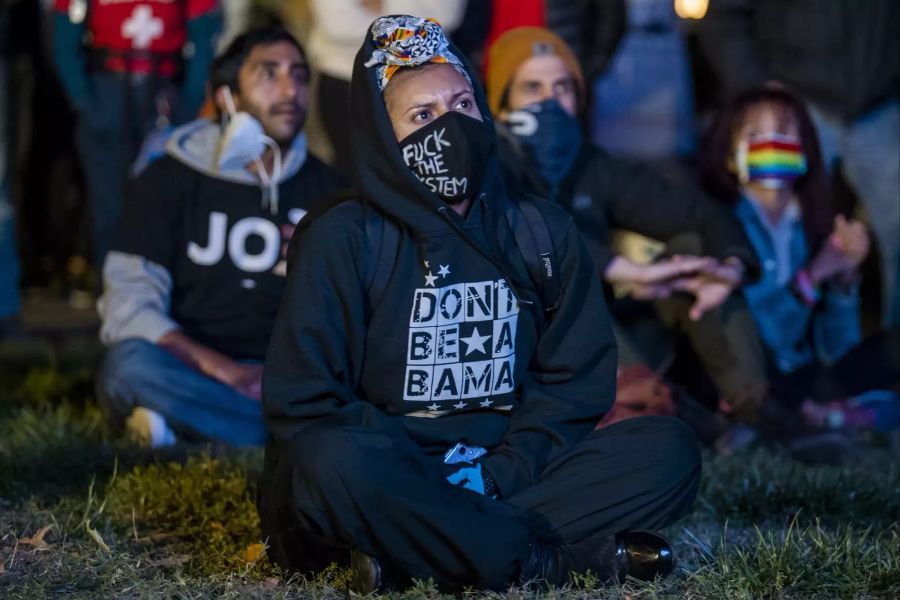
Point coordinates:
[(691, 9)]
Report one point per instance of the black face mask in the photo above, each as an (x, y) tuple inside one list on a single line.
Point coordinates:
[(550, 135), (449, 155)]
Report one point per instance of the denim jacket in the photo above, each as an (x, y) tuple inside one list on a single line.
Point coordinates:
[(794, 333)]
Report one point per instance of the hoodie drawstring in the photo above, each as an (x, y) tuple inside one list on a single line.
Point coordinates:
[(270, 192), (493, 256)]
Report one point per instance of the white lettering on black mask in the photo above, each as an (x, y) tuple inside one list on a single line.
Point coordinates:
[(449, 155)]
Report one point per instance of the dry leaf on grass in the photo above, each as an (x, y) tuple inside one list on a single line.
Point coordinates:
[(95, 535), (253, 552), (37, 540)]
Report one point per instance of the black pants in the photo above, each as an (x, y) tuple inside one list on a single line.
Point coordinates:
[(874, 364), (725, 341), (369, 486)]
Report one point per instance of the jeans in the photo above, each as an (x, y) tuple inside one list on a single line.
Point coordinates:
[(108, 137), (643, 102), (138, 373), (869, 151)]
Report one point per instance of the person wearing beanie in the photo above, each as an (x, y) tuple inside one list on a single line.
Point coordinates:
[(444, 426), (537, 93)]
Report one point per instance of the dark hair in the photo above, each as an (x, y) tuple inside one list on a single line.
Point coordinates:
[(225, 67), (812, 189)]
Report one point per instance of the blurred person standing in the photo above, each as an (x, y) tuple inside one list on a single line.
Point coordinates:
[(338, 28), (843, 58), (9, 262), (591, 28), (643, 104), (124, 65)]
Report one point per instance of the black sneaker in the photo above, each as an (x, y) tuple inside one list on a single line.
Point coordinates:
[(643, 555), (366, 573), (551, 565)]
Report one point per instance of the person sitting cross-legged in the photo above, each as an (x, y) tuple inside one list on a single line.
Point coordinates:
[(432, 404), (195, 273)]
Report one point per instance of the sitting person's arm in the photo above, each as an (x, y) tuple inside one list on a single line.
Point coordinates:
[(645, 202), (570, 381), (640, 200), (135, 304), (318, 341), (135, 300)]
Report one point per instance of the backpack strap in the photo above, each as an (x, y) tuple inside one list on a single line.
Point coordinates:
[(536, 246), (384, 238)]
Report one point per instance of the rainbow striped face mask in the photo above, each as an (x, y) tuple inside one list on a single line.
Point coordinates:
[(771, 160)]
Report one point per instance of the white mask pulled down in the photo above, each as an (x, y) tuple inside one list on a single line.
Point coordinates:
[(244, 142)]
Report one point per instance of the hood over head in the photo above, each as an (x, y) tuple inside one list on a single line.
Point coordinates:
[(382, 177)]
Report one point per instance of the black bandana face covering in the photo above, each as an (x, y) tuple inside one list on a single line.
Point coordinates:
[(449, 155)]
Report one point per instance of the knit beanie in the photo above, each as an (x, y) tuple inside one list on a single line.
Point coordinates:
[(516, 46)]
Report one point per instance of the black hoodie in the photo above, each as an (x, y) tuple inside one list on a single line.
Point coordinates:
[(448, 354)]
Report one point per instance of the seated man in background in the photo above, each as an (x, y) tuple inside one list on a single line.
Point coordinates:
[(196, 272), (536, 90)]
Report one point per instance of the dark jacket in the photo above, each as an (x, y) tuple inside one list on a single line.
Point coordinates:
[(603, 193), (591, 28), (196, 249), (458, 348), (841, 55)]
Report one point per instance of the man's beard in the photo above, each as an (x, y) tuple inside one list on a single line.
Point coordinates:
[(276, 112)]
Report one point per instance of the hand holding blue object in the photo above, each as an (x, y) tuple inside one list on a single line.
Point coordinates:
[(471, 478)]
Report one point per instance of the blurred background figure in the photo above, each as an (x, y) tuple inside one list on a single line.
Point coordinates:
[(9, 261), (763, 158), (643, 103), (843, 58), (537, 93), (591, 28), (125, 66), (338, 28)]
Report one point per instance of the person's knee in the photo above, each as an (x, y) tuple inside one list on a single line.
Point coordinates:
[(680, 450), (321, 453), (669, 449)]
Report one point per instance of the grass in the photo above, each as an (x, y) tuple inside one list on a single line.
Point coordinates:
[(83, 514)]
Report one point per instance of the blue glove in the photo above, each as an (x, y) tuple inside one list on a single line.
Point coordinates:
[(471, 478)]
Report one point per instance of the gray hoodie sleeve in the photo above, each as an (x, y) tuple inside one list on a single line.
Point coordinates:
[(135, 301)]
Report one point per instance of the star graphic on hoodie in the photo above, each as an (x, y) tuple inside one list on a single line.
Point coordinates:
[(460, 405), (429, 279), (475, 342), (486, 402), (444, 271), (432, 406)]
